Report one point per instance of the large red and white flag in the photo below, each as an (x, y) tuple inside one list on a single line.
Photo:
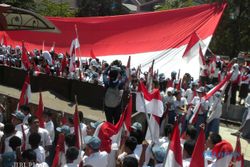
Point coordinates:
[(197, 159), (149, 102), (74, 46), (39, 112), (161, 36), (174, 154), (25, 96)]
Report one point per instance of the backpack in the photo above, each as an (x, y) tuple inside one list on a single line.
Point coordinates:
[(113, 97)]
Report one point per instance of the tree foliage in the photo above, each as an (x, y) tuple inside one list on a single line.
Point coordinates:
[(50, 8), (100, 8), (25, 4)]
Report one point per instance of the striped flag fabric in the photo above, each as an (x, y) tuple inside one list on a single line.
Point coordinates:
[(150, 103), (25, 96), (174, 154)]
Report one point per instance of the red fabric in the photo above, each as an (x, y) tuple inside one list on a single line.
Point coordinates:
[(175, 144), (193, 40), (92, 54), (23, 100), (222, 149), (39, 112), (4, 40), (197, 159), (64, 119), (107, 130), (134, 33), (149, 96), (64, 63), (59, 148)]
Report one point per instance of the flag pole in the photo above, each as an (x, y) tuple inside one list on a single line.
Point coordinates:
[(147, 117), (80, 132)]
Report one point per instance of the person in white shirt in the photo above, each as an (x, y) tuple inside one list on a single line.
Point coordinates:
[(93, 156), (34, 127), (71, 155), (17, 121), (34, 141), (191, 93), (49, 125), (26, 111), (9, 132), (214, 113), (83, 126), (204, 104)]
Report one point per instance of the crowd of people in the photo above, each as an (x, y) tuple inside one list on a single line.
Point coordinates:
[(179, 97)]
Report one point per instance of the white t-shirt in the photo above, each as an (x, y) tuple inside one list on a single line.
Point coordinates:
[(98, 159), (49, 126), (189, 94), (181, 103), (40, 154), (45, 138)]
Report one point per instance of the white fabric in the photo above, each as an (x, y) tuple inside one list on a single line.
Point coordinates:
[(99, 159), (223, 162), (47, 56), (7, 148), (186, 162), (19, 127), (71, 165), (138, 151), (25, 120), (45, 138), (40, 154), (215, 110), (166, 60), (155, 106), (43, 164), (124, 155), (170, 160), (181, 103), (189, 94), (49, 126), (155, 128)]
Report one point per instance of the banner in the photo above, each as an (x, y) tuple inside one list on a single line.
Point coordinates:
[(161, 36)]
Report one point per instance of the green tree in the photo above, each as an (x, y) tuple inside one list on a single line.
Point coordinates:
[(232, 35), (100, 8), (25, 4), (50, 8)]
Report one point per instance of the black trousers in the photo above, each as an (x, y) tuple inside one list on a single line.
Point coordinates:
[(113, 114)]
